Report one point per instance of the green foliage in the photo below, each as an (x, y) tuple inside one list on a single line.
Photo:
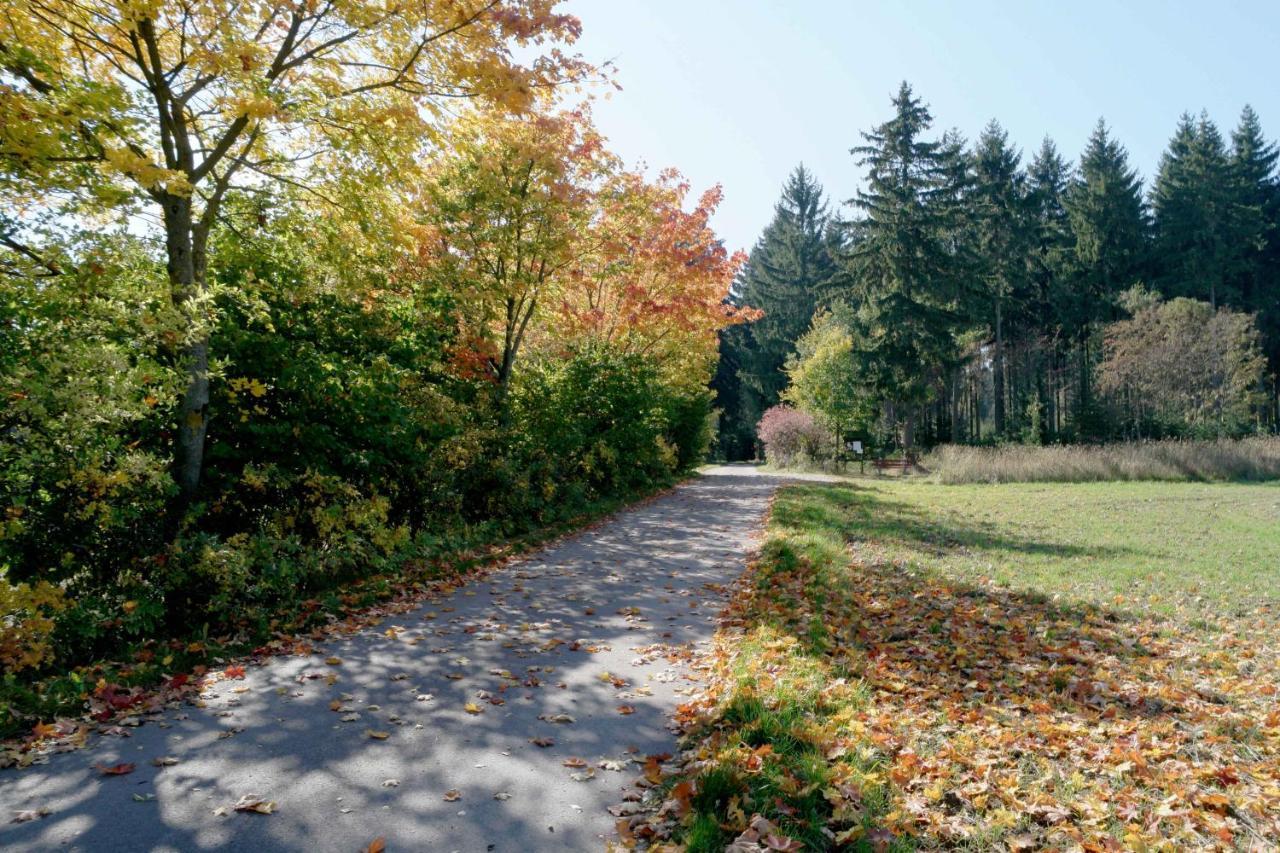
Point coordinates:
[(910, 304), (345, 444), (825, 378), (788, 273), (1181, 366), (984, 293), (85, 376)]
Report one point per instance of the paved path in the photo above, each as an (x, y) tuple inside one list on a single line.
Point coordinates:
[(651, 575)]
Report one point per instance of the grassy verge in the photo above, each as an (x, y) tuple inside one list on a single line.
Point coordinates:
[(1223, 459), (28, 708), (918, 666)]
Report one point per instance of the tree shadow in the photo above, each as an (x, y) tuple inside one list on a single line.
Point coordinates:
[(1028, 686), (531, 640)]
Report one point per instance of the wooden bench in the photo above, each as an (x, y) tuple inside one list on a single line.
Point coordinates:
[(904, 464)]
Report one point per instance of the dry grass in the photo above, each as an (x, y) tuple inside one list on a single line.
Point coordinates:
[(1220, 460)]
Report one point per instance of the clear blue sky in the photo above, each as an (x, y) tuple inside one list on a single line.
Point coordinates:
[(739, 91)]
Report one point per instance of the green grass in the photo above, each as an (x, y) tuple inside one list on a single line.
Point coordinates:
[(1164, 546)]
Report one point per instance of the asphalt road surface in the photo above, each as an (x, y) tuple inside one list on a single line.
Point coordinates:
[(587, 628)]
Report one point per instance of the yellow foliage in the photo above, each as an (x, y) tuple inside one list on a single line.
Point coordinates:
[(26, 623)]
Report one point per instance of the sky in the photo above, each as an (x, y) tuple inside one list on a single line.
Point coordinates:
[(738, 92)]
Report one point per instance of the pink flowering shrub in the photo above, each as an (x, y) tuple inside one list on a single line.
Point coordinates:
[(790, 436)]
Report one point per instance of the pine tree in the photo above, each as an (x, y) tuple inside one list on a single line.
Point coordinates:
[(999, 203), (788, 268), (1195, 253), (906, 268)]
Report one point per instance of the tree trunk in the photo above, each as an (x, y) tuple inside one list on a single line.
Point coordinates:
[(997, 372), (908, 431), (186, 245), (955, 406)]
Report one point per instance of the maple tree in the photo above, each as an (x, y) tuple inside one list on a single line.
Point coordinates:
[(108, 103), (502, 215), (535, 226), (654, 279)]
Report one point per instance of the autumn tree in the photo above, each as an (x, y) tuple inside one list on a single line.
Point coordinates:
[(108, 104), (505, 212), (1182, 364), (824, 376), (652, 277)]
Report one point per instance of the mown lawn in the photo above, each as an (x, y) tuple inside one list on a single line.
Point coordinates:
[(1168, 547), (1070, 666)]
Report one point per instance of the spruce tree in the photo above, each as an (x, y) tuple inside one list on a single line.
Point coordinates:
[(1049, 268), (1257, 196), (1049, 257), (905, 264), (999, 204), (1195, 253), (1108, 229), (785, 272), (1108, 223)]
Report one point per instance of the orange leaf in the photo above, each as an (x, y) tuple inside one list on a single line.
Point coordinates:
[(115, 769)]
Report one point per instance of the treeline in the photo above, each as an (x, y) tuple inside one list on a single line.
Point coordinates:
[(979, 296), (293, 297)]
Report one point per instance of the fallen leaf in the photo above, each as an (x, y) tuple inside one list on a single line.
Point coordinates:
[(115, 769), (255, 804), (626, 709), (472, 708), (377, 845), (391, 783), (164, 761), (542, 741), (574, 762), (556, 718), (376, 735), (452, 795), (234, 672), (333, 661), (502, 796), (31, 814)]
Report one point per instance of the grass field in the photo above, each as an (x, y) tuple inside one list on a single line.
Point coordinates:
[(1209, 548), (1073, 666)]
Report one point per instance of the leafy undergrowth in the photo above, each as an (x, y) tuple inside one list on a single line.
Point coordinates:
[(860, 701), (58, 713)]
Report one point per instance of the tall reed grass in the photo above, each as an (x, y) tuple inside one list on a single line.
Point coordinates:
[(1222, 459)]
